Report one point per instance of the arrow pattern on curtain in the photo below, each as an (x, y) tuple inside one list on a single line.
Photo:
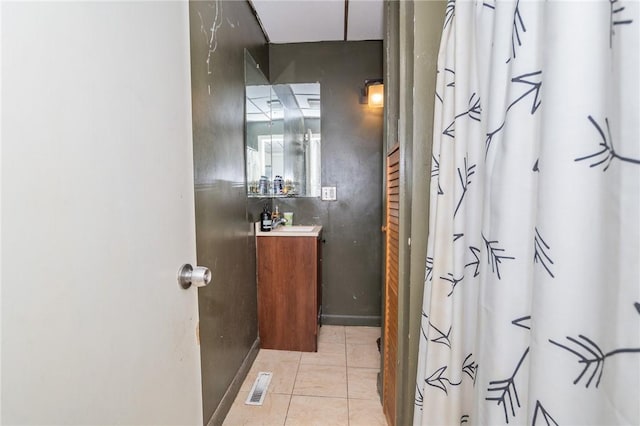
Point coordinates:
[(454, 281), (522, 322), (438, 379), (544, 416), (607, 152), (616, 18), (473, 111), (442, 338), (452, 83), (435, 173), (591, 356), (507, 390), (475, 252), (465, 181), (536, 85), (499, 249), (449, 12), (428, 277), (518, 25), (540, 252), (494, 255)]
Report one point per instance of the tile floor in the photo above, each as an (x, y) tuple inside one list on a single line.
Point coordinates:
[(334, 386)]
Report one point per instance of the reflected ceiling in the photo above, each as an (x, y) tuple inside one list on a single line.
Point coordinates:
[(263, 105)]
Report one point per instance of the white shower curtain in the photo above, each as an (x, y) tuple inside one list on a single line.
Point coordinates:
[(531, 309)]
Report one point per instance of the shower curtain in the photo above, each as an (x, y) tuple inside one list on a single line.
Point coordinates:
[(531, 311)]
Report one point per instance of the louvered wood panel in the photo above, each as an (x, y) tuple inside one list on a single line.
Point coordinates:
[(392, 225)]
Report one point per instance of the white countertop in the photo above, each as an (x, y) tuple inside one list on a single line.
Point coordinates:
[(290, 231)]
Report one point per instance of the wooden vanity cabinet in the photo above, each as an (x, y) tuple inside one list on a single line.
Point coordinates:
[(289, 292)]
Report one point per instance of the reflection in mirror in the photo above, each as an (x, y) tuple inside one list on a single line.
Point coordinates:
[(282, 137)]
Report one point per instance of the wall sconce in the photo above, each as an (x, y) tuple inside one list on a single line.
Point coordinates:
[(373, 93)]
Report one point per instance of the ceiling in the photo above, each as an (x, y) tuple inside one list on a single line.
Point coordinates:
[(297, 21)]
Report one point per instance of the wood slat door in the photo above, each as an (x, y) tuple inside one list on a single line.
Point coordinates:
[(392, 222)]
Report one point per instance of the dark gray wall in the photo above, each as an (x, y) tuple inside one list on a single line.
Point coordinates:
[(352, 152), (224, 236)]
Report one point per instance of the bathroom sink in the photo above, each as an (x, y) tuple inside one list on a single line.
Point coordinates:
[(295, 228), (290, 231)]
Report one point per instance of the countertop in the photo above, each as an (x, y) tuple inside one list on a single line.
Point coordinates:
[(290, 231)]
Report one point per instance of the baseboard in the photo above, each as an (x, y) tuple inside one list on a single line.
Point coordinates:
[(352, 320), (232, 391)]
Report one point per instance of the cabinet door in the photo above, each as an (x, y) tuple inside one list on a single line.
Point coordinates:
[(288, 293)]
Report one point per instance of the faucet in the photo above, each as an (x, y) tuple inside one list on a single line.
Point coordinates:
[(279, 221)]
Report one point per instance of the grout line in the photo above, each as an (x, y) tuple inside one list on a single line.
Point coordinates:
[(295, 378), (346, 366)]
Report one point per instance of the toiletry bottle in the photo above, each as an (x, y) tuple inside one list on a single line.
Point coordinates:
[(265, 219), (263, 187), (276, 215), (278, 185)]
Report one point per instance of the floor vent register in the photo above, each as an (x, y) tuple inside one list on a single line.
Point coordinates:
[(259, 389)]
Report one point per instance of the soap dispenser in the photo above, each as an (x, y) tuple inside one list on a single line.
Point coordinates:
[(265, 219)]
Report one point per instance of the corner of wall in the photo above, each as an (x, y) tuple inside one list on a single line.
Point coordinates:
[(412, 26)]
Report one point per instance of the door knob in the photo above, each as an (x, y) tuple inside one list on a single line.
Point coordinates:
[(198, 276)]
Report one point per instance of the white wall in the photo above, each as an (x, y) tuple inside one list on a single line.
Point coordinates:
[(96, 116)]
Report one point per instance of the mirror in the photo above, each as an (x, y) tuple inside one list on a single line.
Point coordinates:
[(282, 136)]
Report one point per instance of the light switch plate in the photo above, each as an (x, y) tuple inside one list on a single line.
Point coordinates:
[(329, 193)]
